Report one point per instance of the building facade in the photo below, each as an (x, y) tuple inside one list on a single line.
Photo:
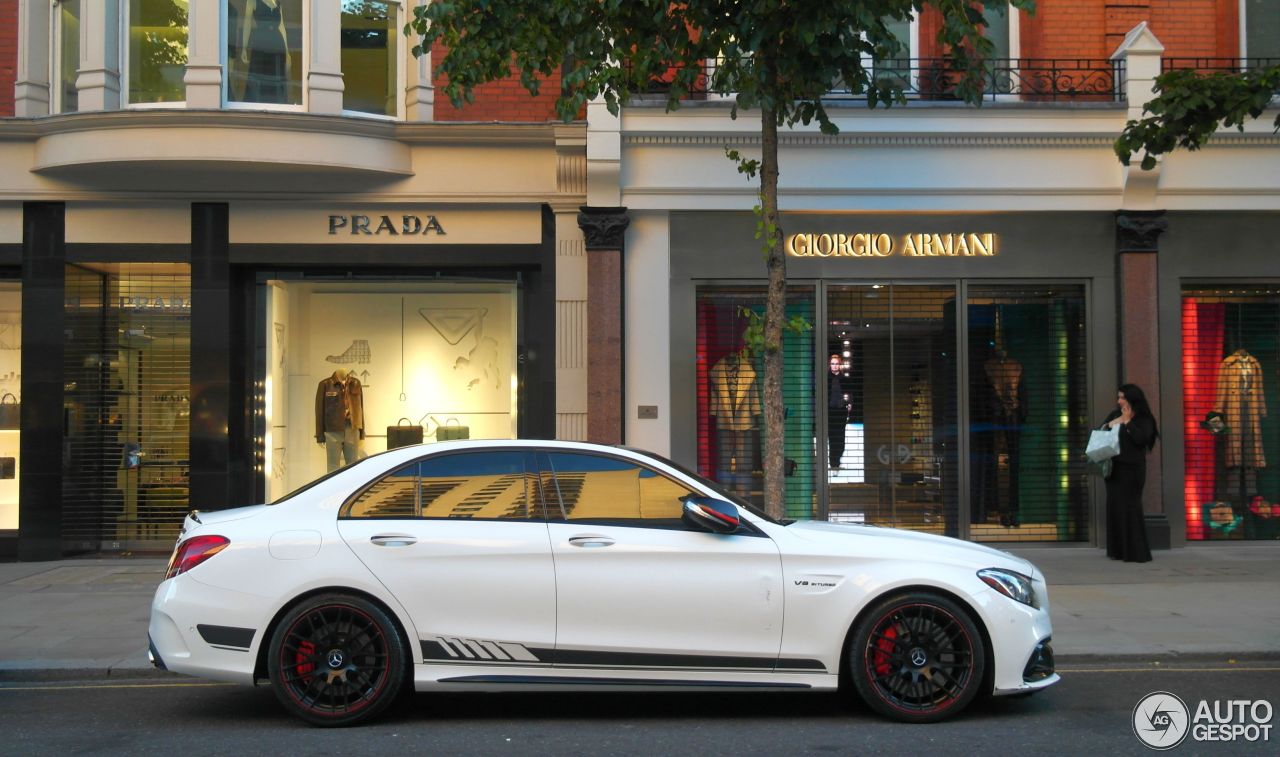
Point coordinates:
[(243, 245), (980, 282)]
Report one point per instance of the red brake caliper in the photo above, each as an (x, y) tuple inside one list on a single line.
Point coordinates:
[(306, 650), (884, 650)]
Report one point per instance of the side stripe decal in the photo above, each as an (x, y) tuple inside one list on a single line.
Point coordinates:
[(485, 651)]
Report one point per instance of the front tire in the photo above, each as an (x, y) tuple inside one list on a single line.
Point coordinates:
[(917, 658), (336, 660)]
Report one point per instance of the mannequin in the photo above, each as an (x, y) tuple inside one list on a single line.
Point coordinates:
[(1240, 400), (735, 403), (1008, 408), (837, 411), (264, 51), (340, 418)]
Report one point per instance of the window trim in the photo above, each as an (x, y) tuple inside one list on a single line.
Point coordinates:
[(56, 103), (223, 39), (126, 55), (402, 61)]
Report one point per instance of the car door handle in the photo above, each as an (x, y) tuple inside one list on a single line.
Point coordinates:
[(591, 541), (393, 540)]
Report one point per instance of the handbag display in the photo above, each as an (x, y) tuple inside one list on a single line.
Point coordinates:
[(10, 412), (403, 434), (1222, 520), (452, 430), (1104, 444)]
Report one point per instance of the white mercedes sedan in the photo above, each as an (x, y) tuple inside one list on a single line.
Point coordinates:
[(509, 565)]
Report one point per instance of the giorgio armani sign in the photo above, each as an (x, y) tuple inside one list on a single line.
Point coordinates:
[(954, 245)]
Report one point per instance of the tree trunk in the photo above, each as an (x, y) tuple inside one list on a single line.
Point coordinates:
[(774, 317)]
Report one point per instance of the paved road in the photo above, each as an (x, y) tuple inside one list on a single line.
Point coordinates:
[(1088, 713)]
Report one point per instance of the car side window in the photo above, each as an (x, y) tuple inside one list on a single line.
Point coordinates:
[(610, 490), (484, 484), (392, 496)]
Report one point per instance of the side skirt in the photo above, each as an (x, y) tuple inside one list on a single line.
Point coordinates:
[(474, 677)]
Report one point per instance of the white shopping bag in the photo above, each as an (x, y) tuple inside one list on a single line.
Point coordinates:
[(1104, 444)]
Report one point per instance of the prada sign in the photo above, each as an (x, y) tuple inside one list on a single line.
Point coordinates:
[(406, 225), (960, 245)]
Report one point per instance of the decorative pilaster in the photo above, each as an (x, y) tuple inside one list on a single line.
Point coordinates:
[(31, 88), (98, 83), (419, 90), (1137, 245), (604, 230), (324, 80), (203, 77)]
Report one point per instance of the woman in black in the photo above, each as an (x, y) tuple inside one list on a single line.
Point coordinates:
[(1126, 529)]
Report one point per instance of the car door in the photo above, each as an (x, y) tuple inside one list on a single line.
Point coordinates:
[(636, 588), (460, 540)]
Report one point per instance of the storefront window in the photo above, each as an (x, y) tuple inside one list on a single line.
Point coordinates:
[(68, 56), (1230, 355), (157, 51), (10, 400), (889, 391), (127, 404), (1262, 29), (370, 57), (1028, 413), (264, 51), (730, 386), (351, 369)]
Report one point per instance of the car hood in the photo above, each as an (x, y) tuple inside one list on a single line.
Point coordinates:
[(841, 537)]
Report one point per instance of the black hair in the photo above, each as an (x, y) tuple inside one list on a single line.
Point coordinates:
[(1137, 400)]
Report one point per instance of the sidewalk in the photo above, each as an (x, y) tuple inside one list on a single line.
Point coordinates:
[(90, 615)]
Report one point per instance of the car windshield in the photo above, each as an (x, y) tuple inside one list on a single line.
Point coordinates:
[(735, 499), (322, 479)]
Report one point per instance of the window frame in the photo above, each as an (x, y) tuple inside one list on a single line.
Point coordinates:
[(224, 37), (56, 102), (400, 66), (126, 55)]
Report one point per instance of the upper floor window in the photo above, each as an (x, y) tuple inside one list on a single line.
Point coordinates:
[(67, 60), (157, 44), (264, 51), (371, 56), (1260, 22)]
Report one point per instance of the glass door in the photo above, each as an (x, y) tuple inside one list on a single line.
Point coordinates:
[(890, 390)]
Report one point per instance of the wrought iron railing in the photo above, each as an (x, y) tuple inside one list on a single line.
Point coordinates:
[(1219, 65), (1014, 79)]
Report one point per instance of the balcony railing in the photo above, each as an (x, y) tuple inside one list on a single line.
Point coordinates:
[(1011, 79), (1219, 65)]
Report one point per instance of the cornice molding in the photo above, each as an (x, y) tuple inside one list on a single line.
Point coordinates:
[(719, 140), (549, 134)]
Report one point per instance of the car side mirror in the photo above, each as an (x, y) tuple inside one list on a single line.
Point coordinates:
[(709, 514)]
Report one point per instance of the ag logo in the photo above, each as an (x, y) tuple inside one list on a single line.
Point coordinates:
[(1161, 720)]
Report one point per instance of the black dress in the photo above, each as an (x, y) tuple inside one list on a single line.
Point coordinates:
[(1126, 527)]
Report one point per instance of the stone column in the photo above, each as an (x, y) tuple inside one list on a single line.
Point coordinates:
[(203, 76), (604, 230), (31, 88), (99, 80), (419, 91), (324, 81), (1138, 294)]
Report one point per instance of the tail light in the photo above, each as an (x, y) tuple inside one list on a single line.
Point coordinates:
[(194, 551)]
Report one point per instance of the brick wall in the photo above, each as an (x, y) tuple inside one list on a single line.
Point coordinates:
[(8, 54), (1066, 29), (505, 100)]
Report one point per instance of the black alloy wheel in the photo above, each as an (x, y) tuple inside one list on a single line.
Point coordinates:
[(336, 660), (917, 658)]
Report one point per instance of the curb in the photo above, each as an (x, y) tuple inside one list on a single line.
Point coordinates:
[(28, 675)]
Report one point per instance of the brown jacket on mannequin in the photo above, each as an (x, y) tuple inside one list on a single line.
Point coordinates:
[(339, 403), (1241, 401)]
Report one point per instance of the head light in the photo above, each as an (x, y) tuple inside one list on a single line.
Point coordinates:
[(1013, 585)]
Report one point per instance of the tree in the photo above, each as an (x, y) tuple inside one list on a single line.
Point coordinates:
[(778, 56), (1190, 106)]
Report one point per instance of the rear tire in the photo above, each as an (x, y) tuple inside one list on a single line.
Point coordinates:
[(917, 658), (336, 660)]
